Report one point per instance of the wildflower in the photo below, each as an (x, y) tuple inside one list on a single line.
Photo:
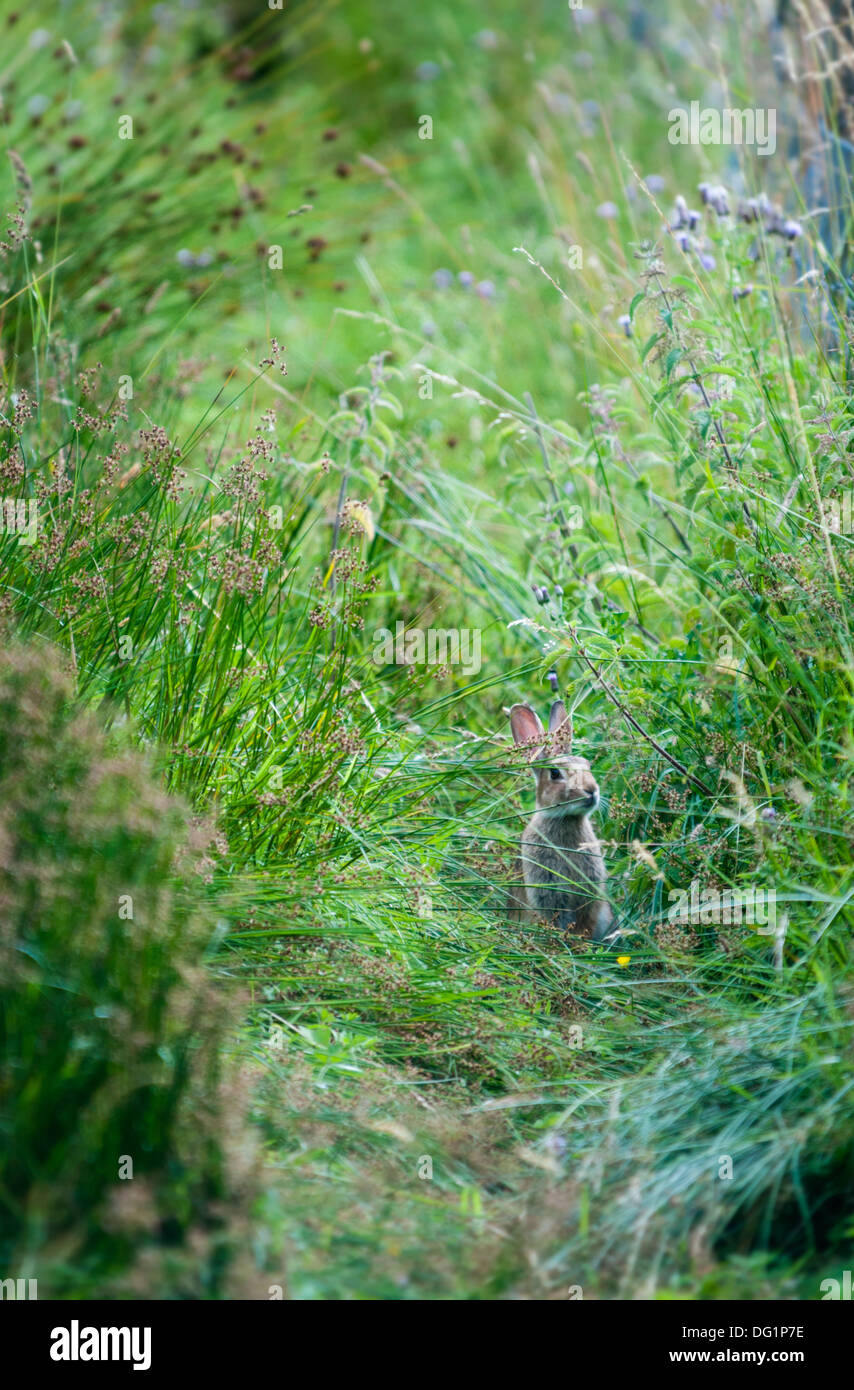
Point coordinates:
[(706, 261), (624, 322), (485, 289), (607, 210), (719, 201), (623, 960), (552, 676), (792, 229), (755, 209), (466, 279), (741, 291), (443, 279), (655, 183), (427, 72), (715, 197), (684, 216), (38, 104)]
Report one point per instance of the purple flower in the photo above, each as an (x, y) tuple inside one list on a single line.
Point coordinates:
[(607, 210), (684, 216), (715, 197), (466, 279), (625, 323), (485, 289), (442, 279), (655, 183), (706, 261)]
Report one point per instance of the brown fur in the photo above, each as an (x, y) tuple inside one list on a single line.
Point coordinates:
[(561, 875)]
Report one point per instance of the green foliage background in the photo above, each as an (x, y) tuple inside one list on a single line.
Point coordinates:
[(242, 474)]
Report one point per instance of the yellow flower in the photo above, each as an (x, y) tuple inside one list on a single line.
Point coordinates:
[(623, 960)]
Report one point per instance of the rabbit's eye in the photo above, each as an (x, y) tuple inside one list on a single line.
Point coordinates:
[(555, 774)]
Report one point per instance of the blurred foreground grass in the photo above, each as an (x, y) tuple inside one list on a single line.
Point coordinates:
[(242, 474)]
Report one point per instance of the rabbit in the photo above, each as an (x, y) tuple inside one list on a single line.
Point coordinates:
[(561, 874)]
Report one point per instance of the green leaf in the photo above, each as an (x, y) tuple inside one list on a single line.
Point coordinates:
[(650, 343), (673, 356)]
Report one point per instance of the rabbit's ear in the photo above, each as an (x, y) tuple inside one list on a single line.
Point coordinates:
[(526, 726), (560, 726)]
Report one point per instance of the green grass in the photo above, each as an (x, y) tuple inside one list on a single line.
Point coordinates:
[(433, 451)]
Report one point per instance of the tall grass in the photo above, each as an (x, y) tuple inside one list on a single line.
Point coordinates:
[(661, 444)]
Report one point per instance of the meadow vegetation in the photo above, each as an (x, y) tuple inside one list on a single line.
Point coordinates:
[(279, 375)]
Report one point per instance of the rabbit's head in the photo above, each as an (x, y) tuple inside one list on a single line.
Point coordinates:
[(565, 784)]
